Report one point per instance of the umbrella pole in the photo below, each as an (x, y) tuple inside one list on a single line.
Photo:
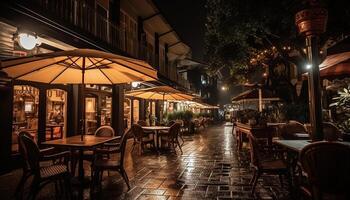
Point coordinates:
[(83, 102)]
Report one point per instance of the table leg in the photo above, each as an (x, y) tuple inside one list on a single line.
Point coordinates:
[(81, 174), (157, 139)]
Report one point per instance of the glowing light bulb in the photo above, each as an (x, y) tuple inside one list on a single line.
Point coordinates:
[(27, 41)]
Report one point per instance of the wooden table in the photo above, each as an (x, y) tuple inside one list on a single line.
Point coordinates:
[(258, 132), (297, 145), (156, 129), (75, 142)]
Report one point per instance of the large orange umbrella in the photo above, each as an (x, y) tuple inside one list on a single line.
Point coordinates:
[(160, 93), (79, 66)]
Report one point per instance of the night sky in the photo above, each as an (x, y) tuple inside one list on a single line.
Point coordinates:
[(188, 19)]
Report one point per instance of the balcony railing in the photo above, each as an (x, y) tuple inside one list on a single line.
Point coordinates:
[(84, 16)]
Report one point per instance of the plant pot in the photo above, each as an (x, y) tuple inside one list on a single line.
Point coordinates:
[(346, 137)]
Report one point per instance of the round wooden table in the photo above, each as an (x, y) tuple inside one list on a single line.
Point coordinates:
[(156, 129)]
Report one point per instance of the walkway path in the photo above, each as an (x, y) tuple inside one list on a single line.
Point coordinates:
[(209, 168)]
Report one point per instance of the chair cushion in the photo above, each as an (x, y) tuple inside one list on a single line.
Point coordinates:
[(273, 165), (53, 170)]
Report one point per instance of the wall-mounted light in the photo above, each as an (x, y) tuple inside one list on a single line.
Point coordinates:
[(27, 40), (224, 88), (135, 84)]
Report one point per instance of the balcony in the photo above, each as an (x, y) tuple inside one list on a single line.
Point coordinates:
[(88, 20)]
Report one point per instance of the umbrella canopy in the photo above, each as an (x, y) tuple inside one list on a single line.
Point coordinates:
[(160, 93), (79, 66), (253, 95)]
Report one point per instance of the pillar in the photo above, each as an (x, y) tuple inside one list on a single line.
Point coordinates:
[(6, 106), (118, 109)]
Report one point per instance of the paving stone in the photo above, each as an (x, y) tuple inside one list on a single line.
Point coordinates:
[(209, 168)]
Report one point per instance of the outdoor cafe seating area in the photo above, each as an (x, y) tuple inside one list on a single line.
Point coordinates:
[(311, 169)]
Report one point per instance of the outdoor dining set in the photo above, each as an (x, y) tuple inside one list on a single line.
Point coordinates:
[(313, 169), (103, 150)]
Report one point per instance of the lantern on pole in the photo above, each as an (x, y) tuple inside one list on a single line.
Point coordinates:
[(311, 23)]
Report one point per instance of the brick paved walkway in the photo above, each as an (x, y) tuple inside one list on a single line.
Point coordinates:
[(209, 168)]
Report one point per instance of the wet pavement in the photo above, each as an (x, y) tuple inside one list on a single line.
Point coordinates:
[(209, 168)]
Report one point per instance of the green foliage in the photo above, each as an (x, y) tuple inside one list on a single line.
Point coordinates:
[(342, 105), (237, 30), (183, 115), (298, 112)]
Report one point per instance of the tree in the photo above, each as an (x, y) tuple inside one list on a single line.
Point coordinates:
[(251, 37)]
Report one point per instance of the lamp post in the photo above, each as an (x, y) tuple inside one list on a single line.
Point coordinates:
[(311, 23)]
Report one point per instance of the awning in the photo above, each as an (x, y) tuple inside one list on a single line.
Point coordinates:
[(335, 66), (253, 95)]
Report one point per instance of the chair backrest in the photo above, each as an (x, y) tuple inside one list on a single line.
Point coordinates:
[(137, 131), (30, 151), (254, 151), (330, 131), (288, 130), (170, 123), (327, 165), (142, 123), (22, 150), (123, 142), (104, 131), (174, 130)]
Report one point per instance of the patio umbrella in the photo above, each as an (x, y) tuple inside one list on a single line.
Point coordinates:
[(79, 66), (160, 93)]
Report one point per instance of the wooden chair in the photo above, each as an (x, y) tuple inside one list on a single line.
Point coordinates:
[(275, 166), (140, 138), (56, 172), (289, 130), (26, 173), (327, 167), (101, 163), (331, 132), (171, 137)]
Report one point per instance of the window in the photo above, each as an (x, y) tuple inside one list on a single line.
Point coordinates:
[(106, 110), (25, 112), (136, 110), (56, 113), (90, 114), (128, 33)]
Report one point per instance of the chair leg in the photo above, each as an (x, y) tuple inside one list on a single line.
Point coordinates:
[(253, 178), (125, 177), (20, 186), (255, 181), (68, 187), (178, 144), (34, 190)]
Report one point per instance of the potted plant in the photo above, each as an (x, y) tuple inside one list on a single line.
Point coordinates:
[(342, 106)]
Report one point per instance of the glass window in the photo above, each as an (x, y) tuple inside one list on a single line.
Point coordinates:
[(56, 113), (90, 115), (127, 113), (136, 111), (25, 112), (106, 110)]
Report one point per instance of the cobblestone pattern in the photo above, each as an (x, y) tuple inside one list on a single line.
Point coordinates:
[(210, 168)]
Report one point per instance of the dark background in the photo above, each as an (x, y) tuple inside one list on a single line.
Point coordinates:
[(188, 19)]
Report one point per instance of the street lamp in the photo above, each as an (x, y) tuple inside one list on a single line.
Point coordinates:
[(311, 23)]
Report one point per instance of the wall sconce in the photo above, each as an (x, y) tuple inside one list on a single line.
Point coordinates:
[(27, 40), (135, 84)]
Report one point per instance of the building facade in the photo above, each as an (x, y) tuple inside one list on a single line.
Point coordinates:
[(134, 28)]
